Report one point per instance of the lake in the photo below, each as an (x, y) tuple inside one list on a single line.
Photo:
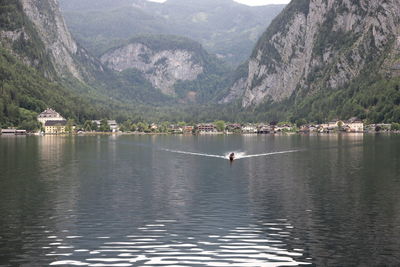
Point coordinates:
[(328, 200)]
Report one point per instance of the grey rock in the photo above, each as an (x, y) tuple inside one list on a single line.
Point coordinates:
[(304, 63), (162, 68)]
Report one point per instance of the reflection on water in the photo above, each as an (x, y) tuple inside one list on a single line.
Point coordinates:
[(157, 244), (133, 201)]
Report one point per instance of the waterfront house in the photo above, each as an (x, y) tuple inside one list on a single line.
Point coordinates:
[(334, 125), (178, 130), (154, 127), (113, 126), (55, 127), (330, 126), (8, 131), (353, 125), (206, 128), (20, 132), (265, 129), (313, 128), (250, 129), (49, 115), (13, 132), (187, 129)]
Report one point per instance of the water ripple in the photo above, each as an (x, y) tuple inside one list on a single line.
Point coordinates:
[(241, 246)]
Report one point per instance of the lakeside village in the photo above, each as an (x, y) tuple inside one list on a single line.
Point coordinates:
[(52, 123)]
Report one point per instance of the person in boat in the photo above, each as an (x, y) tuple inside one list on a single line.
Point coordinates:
[(232, 156)]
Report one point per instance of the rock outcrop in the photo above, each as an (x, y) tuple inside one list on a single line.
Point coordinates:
[(50, 31), (163, 68), (320, 44), (176, 67)]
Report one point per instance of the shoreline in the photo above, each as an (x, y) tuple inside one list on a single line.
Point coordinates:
[(199, 134)]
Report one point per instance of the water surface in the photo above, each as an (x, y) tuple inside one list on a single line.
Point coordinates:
[(144, 201)]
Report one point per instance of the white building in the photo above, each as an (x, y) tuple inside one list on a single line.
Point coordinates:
[(49, 115), (113, 126), (112, 123), (249, 129), (354, 125)]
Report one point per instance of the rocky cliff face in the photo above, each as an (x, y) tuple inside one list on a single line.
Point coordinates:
[(177, 67), (50, 32), (316, 44), (51, 27), (163, 68)]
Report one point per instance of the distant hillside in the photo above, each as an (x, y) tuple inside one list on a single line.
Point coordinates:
[(178, 67), (223, 27)]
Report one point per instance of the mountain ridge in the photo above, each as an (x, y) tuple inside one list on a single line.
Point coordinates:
[(235, 27)]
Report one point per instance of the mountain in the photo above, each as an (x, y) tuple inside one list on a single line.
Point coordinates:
[(176, 66), (223, 27), (321, 59), (42, 66), (36, 54)]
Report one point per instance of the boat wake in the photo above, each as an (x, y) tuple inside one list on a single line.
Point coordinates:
[(196, 154), (238, 155)]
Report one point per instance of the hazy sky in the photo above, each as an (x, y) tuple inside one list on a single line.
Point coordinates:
[(248, 2), (262, 2)]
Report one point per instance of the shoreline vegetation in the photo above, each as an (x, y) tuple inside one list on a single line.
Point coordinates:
[(201, 134), (51, 122)]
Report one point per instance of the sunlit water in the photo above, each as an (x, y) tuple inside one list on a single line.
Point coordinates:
[(177, 201)]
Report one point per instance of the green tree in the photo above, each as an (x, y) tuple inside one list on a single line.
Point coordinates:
[(142, 127), (95, 126), (300, 122), (126, 126), (282, 123), (88, 127), (164, 127), (340, 125), (220, 125), (29, 125), (395, 127), (104, 127), (69, 128), (181, 124)]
